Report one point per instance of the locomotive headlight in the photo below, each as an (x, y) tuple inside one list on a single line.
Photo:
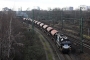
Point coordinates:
[(66, 46)]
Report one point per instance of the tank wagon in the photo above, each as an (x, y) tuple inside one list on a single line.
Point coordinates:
[(49, 29), (41, 25), (38, 24), (45, 27)]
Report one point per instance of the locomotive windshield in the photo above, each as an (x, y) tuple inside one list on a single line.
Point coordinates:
[(66, 41)]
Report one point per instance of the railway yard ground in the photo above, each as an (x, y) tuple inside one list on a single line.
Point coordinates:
[(75, 55), (72, 31), (56, 54)]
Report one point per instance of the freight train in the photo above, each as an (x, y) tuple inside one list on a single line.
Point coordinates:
[(62, 41)]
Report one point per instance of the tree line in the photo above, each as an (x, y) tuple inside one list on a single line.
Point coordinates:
[(58, 14)]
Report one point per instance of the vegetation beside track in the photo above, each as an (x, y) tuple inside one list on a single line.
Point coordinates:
[(33, 49), (46, 47), (20, 44)]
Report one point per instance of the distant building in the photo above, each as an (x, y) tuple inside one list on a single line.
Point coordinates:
[(84, 7), (21, 14), (68, 8)]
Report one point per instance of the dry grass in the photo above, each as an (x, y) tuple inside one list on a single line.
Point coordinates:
[(71, 31), (46, 47), (86, 36)]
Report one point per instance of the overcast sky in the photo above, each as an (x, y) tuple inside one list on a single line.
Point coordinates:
[(43, 4)]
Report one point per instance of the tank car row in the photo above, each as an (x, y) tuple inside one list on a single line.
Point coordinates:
[(62, 42)]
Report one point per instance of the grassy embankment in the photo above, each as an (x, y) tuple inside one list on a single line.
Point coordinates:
[(33, 49)]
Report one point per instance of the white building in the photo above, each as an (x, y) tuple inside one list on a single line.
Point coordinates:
[(68, 8)]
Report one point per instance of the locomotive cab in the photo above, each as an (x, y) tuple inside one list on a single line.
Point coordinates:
[(63, 43)]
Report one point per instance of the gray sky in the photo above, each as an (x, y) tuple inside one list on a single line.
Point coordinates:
[(43, 4)]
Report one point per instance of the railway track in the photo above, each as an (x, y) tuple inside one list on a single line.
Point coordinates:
[(76, 39), (57, 53), (77, 42), (76, 36)]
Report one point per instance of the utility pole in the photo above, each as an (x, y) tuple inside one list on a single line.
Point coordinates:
[(81, 30), (61, 18), (52, 16), (33, 21), (9, 47), (75, 17), (1, 40)]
